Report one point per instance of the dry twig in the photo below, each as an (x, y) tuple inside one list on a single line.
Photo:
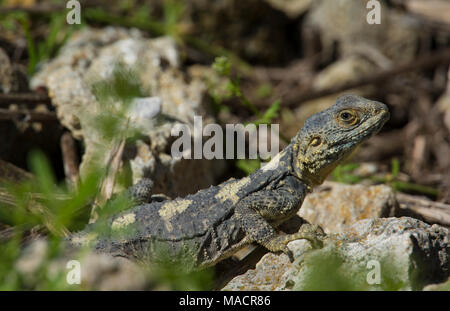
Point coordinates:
[(430, 211)]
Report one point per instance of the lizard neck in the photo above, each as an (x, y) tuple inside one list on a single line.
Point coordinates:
[(284, 163), (297, 168)]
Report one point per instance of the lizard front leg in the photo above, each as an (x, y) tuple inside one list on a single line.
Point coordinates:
[(255, 211)]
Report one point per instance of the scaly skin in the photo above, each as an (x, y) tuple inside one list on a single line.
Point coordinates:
[(214, 223)]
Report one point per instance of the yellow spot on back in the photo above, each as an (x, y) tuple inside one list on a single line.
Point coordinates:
[(230, 190), (169, 209), (123, 221), (274, 163), (85, 238)]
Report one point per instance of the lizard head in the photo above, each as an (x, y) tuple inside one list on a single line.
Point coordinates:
[(329, 136)]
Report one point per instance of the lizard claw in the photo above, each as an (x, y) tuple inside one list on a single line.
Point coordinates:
[(279, 244), (289, 253), (316, 243), (312, 233)]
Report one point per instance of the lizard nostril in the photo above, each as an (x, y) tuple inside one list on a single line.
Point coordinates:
[(379, 110)]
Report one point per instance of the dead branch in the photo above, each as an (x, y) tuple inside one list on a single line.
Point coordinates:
[(27, 115), (10, 172), (70, 159), (24, 98), (430, 211), (294, 97)]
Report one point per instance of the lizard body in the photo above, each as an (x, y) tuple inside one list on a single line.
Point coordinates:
[(214, 223)]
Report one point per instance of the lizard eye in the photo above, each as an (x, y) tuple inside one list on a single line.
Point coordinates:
[(347, 117), (316, 141)]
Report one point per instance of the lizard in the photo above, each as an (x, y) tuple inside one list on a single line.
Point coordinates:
[(214, 223)]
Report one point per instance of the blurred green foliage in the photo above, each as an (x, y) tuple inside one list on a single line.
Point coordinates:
[(170, 23), (344, 173), (248, 166), (41, 204), (40, 50), (143, 18), (114, 95), (326, 270), (55, 207), (223, 66), (123, 85), (70, 209)]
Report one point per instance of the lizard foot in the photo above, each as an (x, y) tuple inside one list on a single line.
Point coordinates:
[(312, 233)]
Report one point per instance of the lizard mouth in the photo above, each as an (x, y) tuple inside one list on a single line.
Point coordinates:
[(381, 119), (377, 122)]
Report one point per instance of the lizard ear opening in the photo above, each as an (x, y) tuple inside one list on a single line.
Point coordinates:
[(315, 141)]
